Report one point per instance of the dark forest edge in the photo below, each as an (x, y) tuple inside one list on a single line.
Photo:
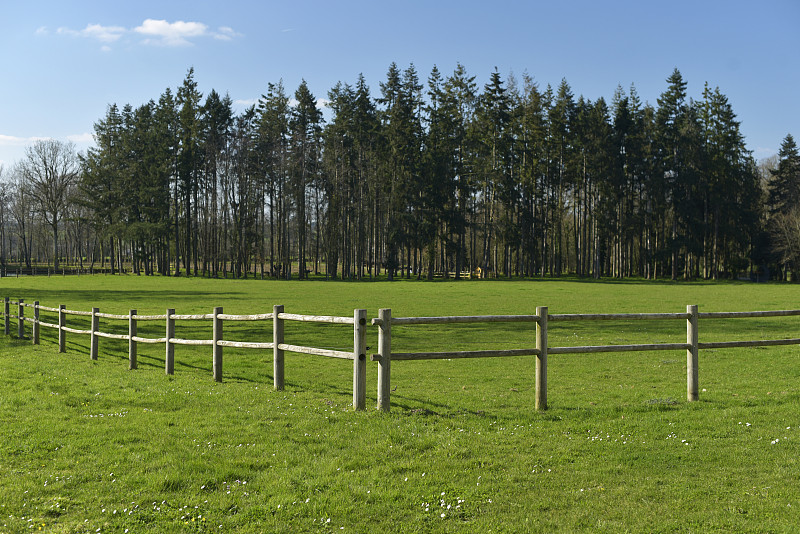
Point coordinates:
[(515, 181)]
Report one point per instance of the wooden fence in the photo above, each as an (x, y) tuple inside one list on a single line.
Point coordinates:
[(541, 350), (385, 355), (217, 318)]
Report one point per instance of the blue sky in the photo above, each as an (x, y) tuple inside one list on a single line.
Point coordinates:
[(63, 62)]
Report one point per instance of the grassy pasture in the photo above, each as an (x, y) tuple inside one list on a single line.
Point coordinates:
[(93, 447)]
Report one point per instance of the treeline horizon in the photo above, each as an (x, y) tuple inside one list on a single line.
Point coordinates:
[(424, 179)]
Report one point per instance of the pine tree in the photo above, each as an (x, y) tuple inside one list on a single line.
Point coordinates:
[(306, 131), (366, 142), (784, 187), (461, 97), (402, 129), (561, 117), (101, 176), (671, 121), (216, 121), (437, 190), (530, 156), (189, 165)]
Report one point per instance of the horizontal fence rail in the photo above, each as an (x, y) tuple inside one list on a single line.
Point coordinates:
[(616, 316), (459, 354), (385, 355), (462, 319), (618, 348)]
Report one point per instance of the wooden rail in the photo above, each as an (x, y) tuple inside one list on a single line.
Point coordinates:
[(217, 318)]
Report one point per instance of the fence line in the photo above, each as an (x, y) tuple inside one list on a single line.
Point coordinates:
[(358, 355), (385, 355)]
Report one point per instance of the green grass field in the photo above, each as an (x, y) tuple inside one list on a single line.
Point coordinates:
[(89, 446)]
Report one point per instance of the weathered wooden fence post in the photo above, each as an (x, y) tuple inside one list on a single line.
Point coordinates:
[(62, 322), (359, 359), (385, 363), (35, 327), (6, 314), (21, 319), (541, 358), (169, 361), (132, 353), (692, 372), (95, 338), (217, 349), (277, 352)]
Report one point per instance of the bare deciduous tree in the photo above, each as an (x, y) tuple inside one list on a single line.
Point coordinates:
[(50, 170), (786, 238)]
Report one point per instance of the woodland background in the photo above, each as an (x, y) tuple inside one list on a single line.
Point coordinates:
[(423, 179)]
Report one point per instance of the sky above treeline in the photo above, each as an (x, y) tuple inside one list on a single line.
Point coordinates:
[(63, 63)]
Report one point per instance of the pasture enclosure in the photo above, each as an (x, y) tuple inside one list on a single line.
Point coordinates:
[(385, 354)]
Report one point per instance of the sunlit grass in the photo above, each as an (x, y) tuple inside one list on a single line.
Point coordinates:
[(90, 446)]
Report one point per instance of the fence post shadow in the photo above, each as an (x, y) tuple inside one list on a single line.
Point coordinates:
[(541, 359), (385, 358), (169, 360), (277, 352)]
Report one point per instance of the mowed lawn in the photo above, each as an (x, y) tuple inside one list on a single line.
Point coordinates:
[(90, 446)]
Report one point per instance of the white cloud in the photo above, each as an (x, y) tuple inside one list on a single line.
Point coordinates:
[(225, 33), (171, 33), (246, 102), (155, 32), (11, 140), (42, 30), (104, 34), (81, 139), (15, 141)]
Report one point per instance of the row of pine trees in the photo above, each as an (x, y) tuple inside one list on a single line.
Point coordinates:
[(423, 179)]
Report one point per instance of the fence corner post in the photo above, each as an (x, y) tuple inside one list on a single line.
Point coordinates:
[(169, 360), (217, 348), (541, 358), (21, 319), (95, 338), (277, 341), (692, 337), (385, 363), (359, 359), (62, 322), (35, 327), (6, 314), (132, 352)]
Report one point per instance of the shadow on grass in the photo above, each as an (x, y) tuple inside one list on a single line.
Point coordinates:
[(172, 298), (593, 281)]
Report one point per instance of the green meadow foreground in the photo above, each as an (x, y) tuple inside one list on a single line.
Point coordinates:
[(89, 446)]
